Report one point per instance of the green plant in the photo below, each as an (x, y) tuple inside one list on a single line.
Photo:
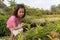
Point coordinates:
[(3, 29), (42, 33)]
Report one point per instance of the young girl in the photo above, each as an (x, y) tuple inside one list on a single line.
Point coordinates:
[(14, 22)]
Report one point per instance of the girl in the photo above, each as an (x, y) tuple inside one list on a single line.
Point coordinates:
[(16, 19)]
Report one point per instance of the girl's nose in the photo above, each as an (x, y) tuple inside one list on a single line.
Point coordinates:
[(22, 13)]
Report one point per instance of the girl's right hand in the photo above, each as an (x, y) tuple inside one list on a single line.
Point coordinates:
[(22, 25)]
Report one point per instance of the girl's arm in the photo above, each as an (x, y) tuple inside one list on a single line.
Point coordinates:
[(15, 27)]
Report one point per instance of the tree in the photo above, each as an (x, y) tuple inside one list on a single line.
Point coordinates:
[(47, 12), (53, 9), (12, 5)]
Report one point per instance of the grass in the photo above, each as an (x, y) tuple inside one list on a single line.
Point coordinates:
[(5, 38)]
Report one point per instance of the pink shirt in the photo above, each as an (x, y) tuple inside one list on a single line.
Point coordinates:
[(11, 20)]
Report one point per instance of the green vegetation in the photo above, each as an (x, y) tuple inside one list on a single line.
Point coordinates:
[(41, 33), (38, 33)]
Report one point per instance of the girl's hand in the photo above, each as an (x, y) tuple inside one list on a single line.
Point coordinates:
[(22, 25)]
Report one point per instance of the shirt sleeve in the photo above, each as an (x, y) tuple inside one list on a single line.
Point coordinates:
[(12, 19)]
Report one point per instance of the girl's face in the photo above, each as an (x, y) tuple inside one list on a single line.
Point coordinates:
[(20, 12)]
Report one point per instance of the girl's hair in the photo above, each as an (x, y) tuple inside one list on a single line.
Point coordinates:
[(17, 8)]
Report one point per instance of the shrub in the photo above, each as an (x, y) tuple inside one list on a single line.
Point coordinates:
[(3, 30), (42, 33)]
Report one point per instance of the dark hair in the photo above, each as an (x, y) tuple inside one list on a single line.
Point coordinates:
[(18, 6)]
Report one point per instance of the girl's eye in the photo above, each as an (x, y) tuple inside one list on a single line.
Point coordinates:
[(21, 12)]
